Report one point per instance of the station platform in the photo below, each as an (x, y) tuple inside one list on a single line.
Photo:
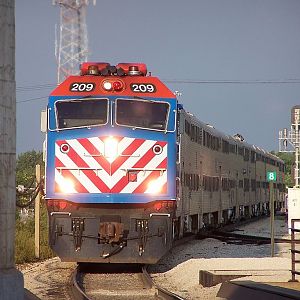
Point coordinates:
[(249, 290)]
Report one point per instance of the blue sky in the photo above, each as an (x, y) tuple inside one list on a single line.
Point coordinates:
[(193, 40)]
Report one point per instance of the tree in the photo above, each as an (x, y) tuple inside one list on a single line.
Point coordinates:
[(25, 175), (289, 160), (25, 169)]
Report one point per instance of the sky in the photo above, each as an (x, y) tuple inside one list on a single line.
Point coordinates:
[(185, 44)]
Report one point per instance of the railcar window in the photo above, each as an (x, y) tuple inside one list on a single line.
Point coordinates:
[(80, 113), (246, 185), (143, 114), (246, 154), (252, 156), (253, 184), (225, 146), (241, 151)]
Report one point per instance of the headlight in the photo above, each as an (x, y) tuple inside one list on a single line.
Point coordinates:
[(67, 186), (155, 186), (111, 149)]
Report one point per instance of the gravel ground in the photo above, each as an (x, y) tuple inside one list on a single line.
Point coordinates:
[(48, 279), (179, 270)]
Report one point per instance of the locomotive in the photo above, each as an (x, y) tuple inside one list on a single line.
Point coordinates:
[(129, 170)]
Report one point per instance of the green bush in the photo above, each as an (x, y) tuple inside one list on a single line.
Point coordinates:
[(24, 243)]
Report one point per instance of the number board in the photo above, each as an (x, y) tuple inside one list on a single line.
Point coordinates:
[(271, 176), (143, 87), (82, 87)]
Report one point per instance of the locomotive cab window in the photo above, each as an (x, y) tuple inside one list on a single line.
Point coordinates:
[(142, 114), (81, 113)]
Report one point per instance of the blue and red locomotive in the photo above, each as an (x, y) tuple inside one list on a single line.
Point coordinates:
[(128, 170), (111, 165)]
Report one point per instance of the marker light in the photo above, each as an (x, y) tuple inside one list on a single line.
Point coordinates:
[(117, 85), (64, 148), (157, 149), (111, 149), (132, 176), (67, 186), (107, 85)]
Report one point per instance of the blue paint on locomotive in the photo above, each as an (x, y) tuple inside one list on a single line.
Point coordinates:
[(54, 135)]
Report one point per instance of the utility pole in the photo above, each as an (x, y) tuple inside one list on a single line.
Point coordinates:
[(37, 213), (271, 178), (72, 47), (11, 280)]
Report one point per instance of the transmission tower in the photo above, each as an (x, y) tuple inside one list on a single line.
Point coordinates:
[(72, 43)]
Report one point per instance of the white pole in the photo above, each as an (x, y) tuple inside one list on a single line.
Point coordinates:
[(11, 280)]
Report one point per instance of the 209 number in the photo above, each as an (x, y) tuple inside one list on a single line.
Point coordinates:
[(82, 87), (143, 88)]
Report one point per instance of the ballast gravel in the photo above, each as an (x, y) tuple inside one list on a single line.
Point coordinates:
[(179, 270)]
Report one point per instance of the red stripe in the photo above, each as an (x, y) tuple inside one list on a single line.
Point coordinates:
[(148, 156), (140, 164), (89, 173), (120, 185), (92, 150), (128, 151), (58, 163), (153, 175)]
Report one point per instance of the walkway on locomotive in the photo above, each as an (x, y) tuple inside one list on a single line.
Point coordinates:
[(111, 149)]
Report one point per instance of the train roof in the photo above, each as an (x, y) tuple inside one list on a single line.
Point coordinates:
[(124, 80), (236, 140)]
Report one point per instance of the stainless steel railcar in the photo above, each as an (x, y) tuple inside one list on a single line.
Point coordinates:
[(221, 178)]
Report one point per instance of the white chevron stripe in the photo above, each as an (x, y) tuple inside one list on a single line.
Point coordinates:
[(98, 144), (132, 160), (131, 186), (124, 143), (111, 181), (90, 161), (80, 176)]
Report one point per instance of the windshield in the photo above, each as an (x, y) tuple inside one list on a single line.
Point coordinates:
[(82, 112), (142, 113)]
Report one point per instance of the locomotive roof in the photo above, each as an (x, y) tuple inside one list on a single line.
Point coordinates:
[(215, 132)]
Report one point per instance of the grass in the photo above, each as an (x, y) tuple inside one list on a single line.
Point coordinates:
[(24, 239)]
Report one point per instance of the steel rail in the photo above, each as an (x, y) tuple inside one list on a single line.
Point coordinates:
[(76, 291), (161, 292)]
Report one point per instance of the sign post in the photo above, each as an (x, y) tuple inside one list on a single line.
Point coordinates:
[(271, 177)]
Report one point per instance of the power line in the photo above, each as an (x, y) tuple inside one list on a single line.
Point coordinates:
[(285, 81), (32, 99), (178, 81), (35, 87)]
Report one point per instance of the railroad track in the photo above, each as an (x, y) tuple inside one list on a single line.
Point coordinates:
[(236, 238), (116, 282)]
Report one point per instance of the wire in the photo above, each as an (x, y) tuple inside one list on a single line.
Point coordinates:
[(285, 81), (35, 87), (32, 99), (177, 81)]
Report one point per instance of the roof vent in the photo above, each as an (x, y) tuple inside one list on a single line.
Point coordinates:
[(239, 137)]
